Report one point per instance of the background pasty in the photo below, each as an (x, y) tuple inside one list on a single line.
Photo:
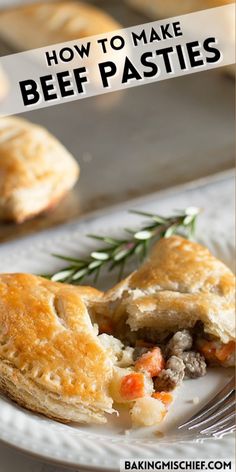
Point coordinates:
[(45, 23), (36, 170)]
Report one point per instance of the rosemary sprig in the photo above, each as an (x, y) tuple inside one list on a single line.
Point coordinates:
[(117, 252)]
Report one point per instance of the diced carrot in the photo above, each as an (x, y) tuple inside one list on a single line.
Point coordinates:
[(213, 353), (152, 362), (225, 352), (132, 386), (208, 349), (164, 397)]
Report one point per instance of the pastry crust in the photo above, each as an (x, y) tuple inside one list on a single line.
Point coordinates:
[(181, 283), (36, 171), (44, 23), (51, 360)]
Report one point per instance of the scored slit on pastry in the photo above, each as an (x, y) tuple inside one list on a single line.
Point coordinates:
[(75, 354)]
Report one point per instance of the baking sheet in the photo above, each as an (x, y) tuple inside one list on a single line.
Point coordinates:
[(141, 140)]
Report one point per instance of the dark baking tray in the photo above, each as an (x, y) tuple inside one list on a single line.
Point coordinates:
[(139, 141)]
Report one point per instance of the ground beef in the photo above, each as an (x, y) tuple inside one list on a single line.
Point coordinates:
[(171, 376), (195, 365), (180, 342)]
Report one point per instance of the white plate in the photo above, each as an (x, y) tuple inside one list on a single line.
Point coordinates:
[(102, 447)]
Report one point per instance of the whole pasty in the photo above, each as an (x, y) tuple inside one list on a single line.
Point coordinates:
[(44, 23), (36, 170)]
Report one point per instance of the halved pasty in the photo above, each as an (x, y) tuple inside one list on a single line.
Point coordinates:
[(181, 286), (36, 170), (176, 314), (182, 302), (52, 359), (43, 23)]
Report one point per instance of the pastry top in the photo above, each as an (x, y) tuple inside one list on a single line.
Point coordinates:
[(180, 265), (47, 335), (31, 160), (184, 266), (159, 9), (181, 283), (40, 24)]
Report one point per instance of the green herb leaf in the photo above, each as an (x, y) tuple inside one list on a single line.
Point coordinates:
[(120, 251), (101, 256)]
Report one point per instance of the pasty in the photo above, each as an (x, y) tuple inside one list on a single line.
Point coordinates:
[(36, 170)]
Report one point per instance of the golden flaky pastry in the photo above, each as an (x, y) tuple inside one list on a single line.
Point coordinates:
[(181, 284), (40, 24), (36, 171), (50, 358)]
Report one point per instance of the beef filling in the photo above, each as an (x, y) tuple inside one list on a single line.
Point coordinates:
[(180, 342), (180, 351), (195, 365), (170, 377), (181, 361)]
